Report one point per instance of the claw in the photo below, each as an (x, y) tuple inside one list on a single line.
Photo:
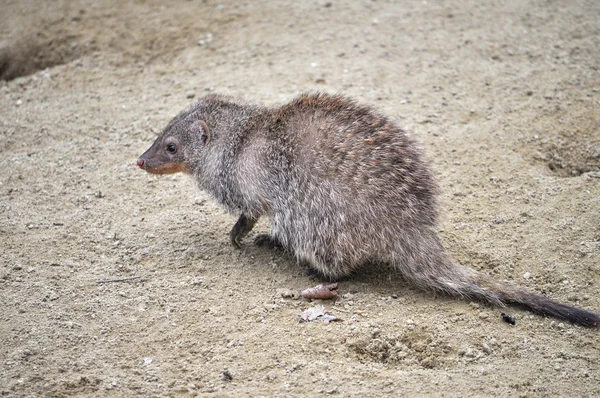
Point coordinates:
[(236, 242), (241, 228)]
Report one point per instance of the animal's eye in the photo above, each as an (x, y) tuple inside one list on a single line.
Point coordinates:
[(171, 148)]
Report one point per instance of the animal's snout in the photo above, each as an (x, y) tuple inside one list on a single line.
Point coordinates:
[(140, 162)]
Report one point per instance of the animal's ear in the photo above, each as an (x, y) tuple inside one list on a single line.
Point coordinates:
[(205, 133)]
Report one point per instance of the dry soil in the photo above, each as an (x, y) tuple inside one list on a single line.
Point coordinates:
[(503, 95)]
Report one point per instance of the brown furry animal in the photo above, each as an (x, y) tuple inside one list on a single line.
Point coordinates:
[(341, 184)]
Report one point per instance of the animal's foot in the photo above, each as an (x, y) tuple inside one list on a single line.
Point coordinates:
[(319, 276), (267, 240), (241, 228)]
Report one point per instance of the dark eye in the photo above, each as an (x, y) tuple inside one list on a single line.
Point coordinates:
[(171, 148)]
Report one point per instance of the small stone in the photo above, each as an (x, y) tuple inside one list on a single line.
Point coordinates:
[(191, 94), (197, 281), (226, 375), (486, 348), (526, 275), (287, 293), (233, 343), (470, 353)]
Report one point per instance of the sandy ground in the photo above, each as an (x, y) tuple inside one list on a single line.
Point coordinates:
[(504, 96)]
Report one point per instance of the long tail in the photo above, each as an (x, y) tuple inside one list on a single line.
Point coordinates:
[(534, 302), (468, 283), (428, 266)]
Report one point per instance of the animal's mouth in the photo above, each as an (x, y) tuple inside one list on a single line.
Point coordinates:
[(163, 168)]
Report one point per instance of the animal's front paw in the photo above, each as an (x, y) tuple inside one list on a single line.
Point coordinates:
[(241, 228), (235, 241)]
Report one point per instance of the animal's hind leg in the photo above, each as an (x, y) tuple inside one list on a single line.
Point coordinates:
[(324, 265), (318, 275), (268, 241), (241, 228)]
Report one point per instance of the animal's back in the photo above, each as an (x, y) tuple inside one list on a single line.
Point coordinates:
[(355, 182), (356, 151)]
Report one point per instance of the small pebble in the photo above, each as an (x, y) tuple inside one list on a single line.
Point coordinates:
[(287, 293), (508, 318), (233, 343), (227, 376), (197, 281), (526, 275)]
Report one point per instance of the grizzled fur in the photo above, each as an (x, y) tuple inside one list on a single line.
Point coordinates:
[(341, 184)]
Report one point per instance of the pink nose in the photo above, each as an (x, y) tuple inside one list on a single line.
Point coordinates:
[(140, 162)]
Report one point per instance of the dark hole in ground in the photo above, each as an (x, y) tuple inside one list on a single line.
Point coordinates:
[(26, 56)]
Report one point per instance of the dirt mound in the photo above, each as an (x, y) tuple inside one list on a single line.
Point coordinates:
[(575, 154), (416, 346)]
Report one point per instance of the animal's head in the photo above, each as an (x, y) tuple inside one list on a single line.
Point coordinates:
[(179, 142)]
